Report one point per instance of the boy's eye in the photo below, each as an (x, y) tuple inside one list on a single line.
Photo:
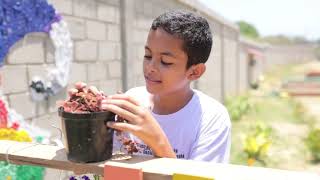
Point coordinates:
[(165, 63), (147, 57)]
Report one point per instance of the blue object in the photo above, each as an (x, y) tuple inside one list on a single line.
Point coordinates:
[(20, 17)]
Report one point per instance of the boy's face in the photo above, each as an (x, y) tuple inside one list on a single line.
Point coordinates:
[(164, 64)]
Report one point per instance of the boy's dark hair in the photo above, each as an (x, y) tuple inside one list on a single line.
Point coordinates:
[(194, 30)]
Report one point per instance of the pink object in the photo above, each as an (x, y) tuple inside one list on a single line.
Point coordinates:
[(3, 115), (116, 173)]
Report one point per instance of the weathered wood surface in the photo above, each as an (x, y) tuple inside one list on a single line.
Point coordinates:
[(153, 168)]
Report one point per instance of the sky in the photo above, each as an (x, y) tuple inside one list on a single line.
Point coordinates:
[(273, 17)]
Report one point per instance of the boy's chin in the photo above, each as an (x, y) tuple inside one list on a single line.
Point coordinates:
[(152, 90)]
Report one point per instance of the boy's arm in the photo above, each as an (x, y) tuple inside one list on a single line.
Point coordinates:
[(140, 123), (214, 140)]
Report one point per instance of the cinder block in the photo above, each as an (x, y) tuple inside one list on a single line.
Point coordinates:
[(139, 80), (28, 50), (147, 8), (111, 2), (140, 51), (97, 72), (78, 72), (49, 51), (86, 50), (137, 66), (39, 71), (107, 13), (114, 32), (140, 36), (76, 27), (62, 6), (46, 121), (114, 69), (138, 6), (14, 79), (118, 16), (111, 86), (23, 104), (109, 51), (143, 23), (96, 30), (118, 54), (85, 8)]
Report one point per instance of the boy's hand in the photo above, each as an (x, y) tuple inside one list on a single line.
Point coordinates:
[(140, 123)]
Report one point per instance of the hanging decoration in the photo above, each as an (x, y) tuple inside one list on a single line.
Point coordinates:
[(20, 17)]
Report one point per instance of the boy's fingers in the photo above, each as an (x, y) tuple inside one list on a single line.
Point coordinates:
[(122, 104), (127, 115), (124, 97), (94, 90), (122, 126)]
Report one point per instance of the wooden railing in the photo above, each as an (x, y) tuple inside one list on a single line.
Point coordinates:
[(151, 168)]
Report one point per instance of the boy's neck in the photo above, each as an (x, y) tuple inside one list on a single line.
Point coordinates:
[(171, 103)]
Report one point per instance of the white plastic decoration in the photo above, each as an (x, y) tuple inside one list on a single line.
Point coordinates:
[(57, 77)]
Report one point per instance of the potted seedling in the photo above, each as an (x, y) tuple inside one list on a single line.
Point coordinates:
[(86, 136)]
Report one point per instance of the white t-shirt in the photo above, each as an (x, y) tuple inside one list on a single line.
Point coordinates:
[(201, 130)]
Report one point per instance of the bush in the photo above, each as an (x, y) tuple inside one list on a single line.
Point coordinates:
[(257, 143), (313, 144), (237, 106)]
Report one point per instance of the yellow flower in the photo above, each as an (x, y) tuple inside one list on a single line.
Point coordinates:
[(14, 135)]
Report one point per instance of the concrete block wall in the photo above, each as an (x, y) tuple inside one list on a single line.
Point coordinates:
[(109, 38), (230, 50), (211, 83), (243, 71), (143, 13), (95, 31), (285, 54)]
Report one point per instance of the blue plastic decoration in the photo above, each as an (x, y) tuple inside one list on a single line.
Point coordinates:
[(20, 17)]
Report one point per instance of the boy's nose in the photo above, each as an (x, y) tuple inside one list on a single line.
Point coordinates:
[(152, 66)]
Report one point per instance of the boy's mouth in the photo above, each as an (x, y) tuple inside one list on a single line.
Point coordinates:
[(151, 80)]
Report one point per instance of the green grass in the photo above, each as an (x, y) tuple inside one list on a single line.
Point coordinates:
[(289, 122), (288, 132)]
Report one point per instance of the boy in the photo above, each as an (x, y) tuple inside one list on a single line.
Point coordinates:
[(167, 117)]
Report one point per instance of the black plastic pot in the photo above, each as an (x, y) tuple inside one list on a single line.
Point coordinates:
[(87, 138)]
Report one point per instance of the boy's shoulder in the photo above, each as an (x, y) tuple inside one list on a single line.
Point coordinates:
[(212, 108), (206, 102), (208, 105)]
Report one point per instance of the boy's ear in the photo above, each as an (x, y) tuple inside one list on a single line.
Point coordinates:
[(196, 71)]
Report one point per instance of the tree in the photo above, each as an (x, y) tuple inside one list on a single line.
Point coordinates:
[(248, 30)]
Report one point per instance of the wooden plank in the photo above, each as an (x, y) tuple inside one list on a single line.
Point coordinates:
[(153, 168)]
